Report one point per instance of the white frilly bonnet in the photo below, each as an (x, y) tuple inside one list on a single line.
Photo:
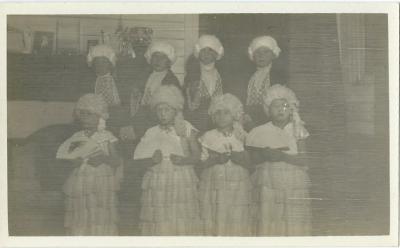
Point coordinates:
[(209, 41), (96, 105), (162, 47), (279, 91), (264, 41), (102, 51), (235, 106), (171, 95)]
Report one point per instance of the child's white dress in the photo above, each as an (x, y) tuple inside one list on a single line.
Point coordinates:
[(225, 189), (169, 199), (281, 190), (91, 203)]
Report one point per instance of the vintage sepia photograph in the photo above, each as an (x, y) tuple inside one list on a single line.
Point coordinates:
[(199, 124)]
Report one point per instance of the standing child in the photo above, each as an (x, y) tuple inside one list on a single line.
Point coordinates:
[(225, 187), (203, 81), (91, 188), (103, 59), (282, 205), (169, 150), (263, 50), (161, 56)]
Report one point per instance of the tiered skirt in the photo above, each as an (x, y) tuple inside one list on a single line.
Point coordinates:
[(91, 203), (170, 203), (225, 198), (281, 200)]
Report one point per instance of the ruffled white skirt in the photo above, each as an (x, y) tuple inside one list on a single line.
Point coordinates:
[(91, 203), (281, 200), (170, 201), (225, 197)]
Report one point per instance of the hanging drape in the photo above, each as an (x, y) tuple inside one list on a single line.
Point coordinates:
[(315, 76)]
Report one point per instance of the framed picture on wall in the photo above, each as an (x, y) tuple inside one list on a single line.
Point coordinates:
[(68, 36), (43, 42)]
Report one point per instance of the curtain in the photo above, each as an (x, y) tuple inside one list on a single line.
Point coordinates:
[(315, 76)]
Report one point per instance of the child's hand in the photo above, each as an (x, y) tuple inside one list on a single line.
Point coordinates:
[(157, 156), (218, 158), (97, 159), (177, 160), (212, 157)]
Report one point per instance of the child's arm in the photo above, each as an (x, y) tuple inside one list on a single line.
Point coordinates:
[(147, 162), (194, 156), (300, 159), (215, 158), (66, 152), (211, 160), (194, 149), (256, 154), (241, 158), (72, 162), (113, 159)]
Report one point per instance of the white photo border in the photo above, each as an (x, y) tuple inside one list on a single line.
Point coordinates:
[(392, 9)]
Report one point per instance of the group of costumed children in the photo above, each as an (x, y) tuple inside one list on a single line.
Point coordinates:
[(209, 178)]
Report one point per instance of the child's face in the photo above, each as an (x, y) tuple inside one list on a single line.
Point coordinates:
[(165, 114), (160, 62), (87, 119), (279, 110), (102, 66), (263, 57), (207, 56), (223, 118)]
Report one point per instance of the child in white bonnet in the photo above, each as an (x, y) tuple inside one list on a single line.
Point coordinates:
[(90, 190), (225, 188), (169, 151), (281, 182), (103, 59)]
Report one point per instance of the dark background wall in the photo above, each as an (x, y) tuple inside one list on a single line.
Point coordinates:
[(48, 78), (236, 31)]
